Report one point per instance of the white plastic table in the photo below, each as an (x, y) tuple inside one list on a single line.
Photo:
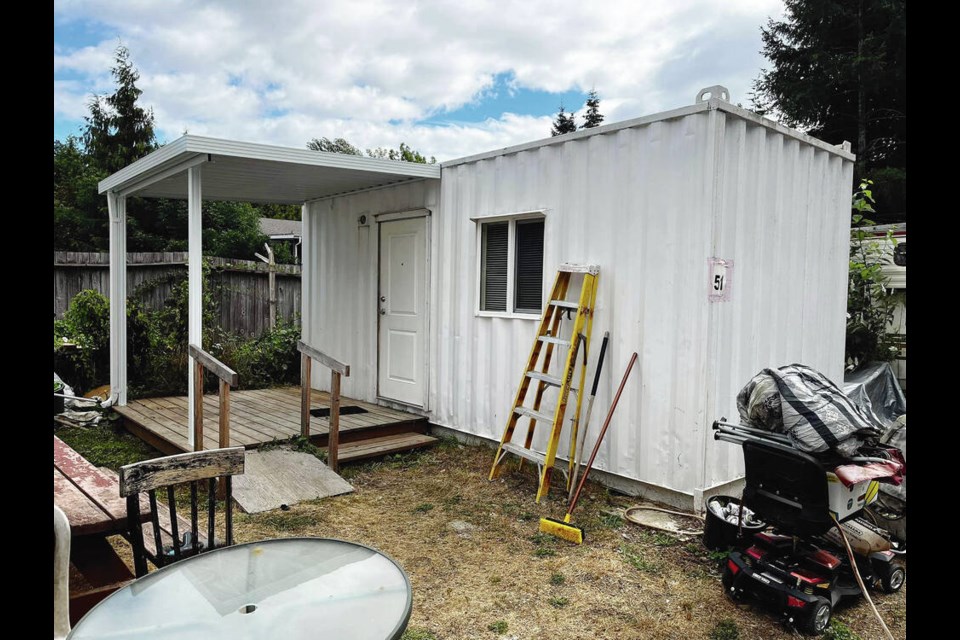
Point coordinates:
[(289, 588)]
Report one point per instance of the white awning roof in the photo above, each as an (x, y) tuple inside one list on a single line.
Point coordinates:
[(253, 172)]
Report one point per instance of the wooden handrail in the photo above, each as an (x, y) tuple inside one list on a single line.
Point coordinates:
[(330, 363), (203, 361), (213, 365), (337, 368)]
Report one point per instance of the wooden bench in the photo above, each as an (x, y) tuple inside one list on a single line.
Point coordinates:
[(90, 498)]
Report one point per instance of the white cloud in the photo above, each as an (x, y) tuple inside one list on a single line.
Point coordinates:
[(372, 71)]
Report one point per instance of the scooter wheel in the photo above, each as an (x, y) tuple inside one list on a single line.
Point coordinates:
[(727, 581), (891, 577), (816, 617)]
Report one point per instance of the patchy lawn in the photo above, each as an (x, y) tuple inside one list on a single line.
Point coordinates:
[(480, 569)]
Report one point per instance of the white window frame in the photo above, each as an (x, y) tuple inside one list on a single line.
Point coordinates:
[(512, 218)]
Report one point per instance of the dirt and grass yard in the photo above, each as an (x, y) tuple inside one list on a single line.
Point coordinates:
[(479, 568)]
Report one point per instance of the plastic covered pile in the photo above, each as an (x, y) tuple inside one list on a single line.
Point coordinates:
[(875, 389), (811, 410)]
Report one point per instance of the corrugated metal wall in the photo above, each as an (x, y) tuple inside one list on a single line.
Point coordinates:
[(340, 294), (650, 204)]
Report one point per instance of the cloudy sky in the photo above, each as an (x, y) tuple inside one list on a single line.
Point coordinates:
[(448, 78)]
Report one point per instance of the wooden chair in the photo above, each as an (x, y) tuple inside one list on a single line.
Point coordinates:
[(61, 574), (166, 473)]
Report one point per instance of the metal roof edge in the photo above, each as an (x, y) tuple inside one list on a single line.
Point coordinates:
[(711, 104), (755, 118), (153, 160), (276, 153), (191, 144), (582, 133)]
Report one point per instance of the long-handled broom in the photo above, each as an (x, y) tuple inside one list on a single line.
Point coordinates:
[(586, 422), (563, 529)]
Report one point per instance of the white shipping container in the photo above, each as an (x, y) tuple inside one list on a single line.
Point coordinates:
[(722, 240)]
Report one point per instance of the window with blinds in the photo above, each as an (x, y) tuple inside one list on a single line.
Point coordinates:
[(511, 265), (528, 291), (493, 276)]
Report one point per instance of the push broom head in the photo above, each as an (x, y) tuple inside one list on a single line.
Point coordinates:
[(562, 529)]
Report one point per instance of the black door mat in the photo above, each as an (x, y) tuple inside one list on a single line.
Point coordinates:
[(346, 410)]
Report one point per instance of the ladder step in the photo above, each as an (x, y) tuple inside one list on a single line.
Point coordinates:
[(550, 380), (543, 377), (565, 304), (529, 454), (592, 269), (536, 415), (553, 340)]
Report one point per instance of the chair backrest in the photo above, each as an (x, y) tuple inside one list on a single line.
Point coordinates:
[(166, 473), (61, 574), (786, 488)]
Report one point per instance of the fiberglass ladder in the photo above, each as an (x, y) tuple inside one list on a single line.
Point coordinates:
[(547, 334)]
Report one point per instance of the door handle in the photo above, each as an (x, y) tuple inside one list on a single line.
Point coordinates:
[(383, 312), (383, 298)]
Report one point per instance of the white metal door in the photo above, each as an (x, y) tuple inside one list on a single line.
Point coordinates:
[(402, 308)]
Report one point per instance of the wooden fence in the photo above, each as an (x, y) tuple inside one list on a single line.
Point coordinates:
[(240, 287)]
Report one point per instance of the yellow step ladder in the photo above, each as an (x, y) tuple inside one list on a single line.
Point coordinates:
[(537, 369)]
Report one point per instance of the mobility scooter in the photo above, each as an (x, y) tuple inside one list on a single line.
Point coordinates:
[(799, 563)]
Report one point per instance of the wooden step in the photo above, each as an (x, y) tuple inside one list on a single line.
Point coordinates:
[(383, 445)]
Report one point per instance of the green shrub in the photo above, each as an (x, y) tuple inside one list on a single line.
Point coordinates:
[(268, 360), (157, 343), (84, 362)]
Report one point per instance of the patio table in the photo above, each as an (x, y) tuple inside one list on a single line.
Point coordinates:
[(288, 588)]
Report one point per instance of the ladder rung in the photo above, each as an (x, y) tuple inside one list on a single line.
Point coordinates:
[(536, 415), (543, 377), (592, 269), (553, 340), (565, 304), (529, 454)]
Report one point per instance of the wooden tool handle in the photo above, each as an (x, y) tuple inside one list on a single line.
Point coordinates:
[(603, 431)]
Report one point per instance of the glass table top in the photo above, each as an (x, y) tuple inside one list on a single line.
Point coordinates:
[(287, 588)]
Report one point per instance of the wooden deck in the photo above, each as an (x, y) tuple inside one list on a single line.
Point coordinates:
[(264, 415)]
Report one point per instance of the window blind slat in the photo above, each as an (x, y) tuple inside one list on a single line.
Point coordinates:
[(493, 284), (528, 293)]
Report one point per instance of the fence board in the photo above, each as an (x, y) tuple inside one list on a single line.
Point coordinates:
[(239, 286)]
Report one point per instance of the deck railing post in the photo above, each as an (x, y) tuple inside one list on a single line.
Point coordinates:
[(224, 414), (333, 440), (197, 406), (305, 368), (338, 369)]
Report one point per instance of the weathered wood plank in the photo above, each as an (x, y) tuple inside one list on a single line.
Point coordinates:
[(240, 287), (184, 467), (327, 361), (84, 516), (197, 405), (213, 365), (333, 437), (375, 447), (166, 525), (174, 410), (93, 483), (260, 416), (224, 417), (282, 476), (305, 372)]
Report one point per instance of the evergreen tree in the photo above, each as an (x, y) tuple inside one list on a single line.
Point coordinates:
[(839, 72), (593, 117), (563, 123), (118, 130)]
